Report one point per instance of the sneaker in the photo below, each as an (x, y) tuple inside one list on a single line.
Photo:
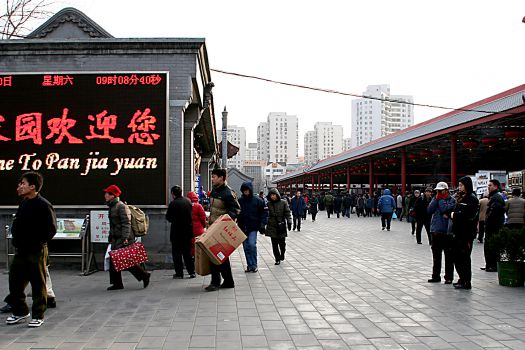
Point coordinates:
[(463, 285), (115, 287), (448, 281), (382, 228), (35, 322), (248, 270), (146, 280), (192, 275), (6, 308), (51, 303), (212, 288), (177, 277), (434, 280), (277, 262), (227, 285), (255, 269), (13, 319)]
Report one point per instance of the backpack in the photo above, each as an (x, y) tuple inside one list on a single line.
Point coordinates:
[(139, 221)]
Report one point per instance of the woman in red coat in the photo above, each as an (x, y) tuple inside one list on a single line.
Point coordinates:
[(199, 218)]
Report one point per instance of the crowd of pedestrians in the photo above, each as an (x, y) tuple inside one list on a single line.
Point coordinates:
[(452, 223)]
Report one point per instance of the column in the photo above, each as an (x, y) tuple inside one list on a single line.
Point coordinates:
[(348, 179), (331, 180), (403, 171), (370, 176), (453, 155)]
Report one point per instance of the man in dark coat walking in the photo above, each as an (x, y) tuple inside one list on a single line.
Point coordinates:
[(181, 233), (253, 218), (297, 205), (33, 227)]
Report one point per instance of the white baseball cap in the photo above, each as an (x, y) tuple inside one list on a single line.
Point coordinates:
[(441, 186)]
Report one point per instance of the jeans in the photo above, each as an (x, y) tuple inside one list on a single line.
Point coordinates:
[(346, 212), (250, 249), (297, 222)]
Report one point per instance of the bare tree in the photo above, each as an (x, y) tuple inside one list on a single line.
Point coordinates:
[(16, 14)]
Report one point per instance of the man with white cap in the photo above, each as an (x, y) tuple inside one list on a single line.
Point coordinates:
[(440, 208)]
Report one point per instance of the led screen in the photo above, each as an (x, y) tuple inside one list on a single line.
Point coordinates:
[(84, 132)]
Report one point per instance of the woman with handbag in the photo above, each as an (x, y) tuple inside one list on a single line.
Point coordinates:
[(120, 235), (279, 219)]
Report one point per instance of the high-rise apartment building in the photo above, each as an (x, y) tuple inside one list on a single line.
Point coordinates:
[(347, 143), (251, 151), (278, 138), (380, 115), (237, 137), (324, 141)]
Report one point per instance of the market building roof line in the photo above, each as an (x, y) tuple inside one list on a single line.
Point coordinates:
[(495, 104)]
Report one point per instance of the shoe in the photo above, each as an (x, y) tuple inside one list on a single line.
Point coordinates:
[(483, 268), (448, 281), (115, 287), (248, 270), (6, 308), (388, 229), (382, 228), (35, 322), (192, 275), (282, 257), (178, 277), (51, 303), (463, 285), (13, 319), (434, 280), (491, 269), (419, 243), (412, 233), (227, 285), (146, 280), (212, 288), (277, 262), (298, 230), (255, 269)]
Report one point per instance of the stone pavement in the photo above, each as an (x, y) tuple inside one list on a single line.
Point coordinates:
[(345, 284)]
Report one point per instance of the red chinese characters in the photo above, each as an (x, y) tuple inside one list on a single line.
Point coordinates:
[(57, 80), (142, 124), (60, 127), (3, 138), (105, 123), (6, 81), (29, 127)]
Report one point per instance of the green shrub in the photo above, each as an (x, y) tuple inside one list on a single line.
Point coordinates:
[(510, 243)]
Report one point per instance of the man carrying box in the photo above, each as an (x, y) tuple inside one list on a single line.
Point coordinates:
[(222, 201)]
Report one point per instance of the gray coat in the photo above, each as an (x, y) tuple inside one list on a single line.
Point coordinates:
[(277, 212), (515, 208)]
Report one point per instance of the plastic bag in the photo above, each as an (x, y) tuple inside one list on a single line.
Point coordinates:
[(107, 263)]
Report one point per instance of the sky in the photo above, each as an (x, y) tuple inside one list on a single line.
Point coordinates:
[(448, 53)]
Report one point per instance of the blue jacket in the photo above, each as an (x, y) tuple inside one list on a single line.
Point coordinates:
[(254, 213), (386, 203), (437, 208), (297, 206)]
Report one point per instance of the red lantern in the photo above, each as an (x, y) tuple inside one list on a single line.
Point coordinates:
[(425, 154), (413, 156), (438, 152), (470, 145), (489, 141), (514, 134)]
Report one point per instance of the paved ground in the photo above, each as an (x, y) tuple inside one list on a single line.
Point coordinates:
[(345, 284)]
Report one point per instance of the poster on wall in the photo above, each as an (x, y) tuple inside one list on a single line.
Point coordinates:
[(99, 226), (83, 132)]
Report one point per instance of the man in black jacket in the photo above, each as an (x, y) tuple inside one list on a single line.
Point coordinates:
[(494, 221), (222, 201), (253, 218), (181, 233), (34, 226)]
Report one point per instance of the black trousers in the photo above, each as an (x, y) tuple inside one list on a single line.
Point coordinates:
[(279, 248), (224, 270), (314, 214), (419, 228), (28, 268), (462, 261), (442, 243), (329, 210), (386, 219), (182, 251), (491, 255), (296, 222), (115, 278)]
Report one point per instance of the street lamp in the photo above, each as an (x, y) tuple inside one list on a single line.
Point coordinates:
[(225, 138)]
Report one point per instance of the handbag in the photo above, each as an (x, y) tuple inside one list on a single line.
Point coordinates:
[(128, 256)]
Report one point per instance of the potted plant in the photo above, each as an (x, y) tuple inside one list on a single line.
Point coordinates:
[(510, 243)]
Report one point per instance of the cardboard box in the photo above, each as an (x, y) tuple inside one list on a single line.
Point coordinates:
[(202, 261), (221, 239)]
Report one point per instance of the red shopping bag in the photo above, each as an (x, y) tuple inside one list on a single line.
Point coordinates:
[(128, 256)]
